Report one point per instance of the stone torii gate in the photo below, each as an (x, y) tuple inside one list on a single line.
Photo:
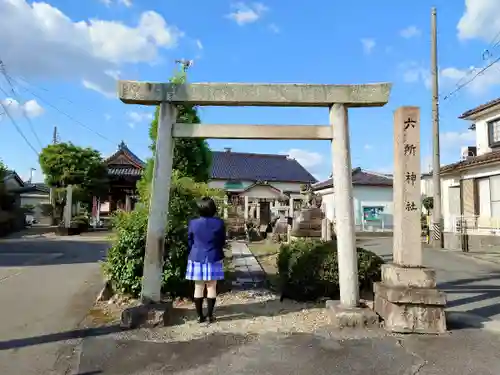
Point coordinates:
[(338, 98)]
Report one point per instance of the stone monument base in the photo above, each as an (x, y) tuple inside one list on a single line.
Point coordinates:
[(408, 301), (352, 317)]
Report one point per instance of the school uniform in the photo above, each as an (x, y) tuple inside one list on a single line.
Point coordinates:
[(206, 240)]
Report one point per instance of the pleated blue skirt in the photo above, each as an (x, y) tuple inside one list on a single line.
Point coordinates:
[(205, 271)]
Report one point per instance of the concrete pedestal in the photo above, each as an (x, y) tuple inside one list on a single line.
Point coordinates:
[(351, 317), (408, 301)]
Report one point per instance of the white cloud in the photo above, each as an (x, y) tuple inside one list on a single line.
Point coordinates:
[(308, 159), (199, 44), (368, 45), (127, 3), (457, 139), (45, 43), (481, 20), (274, 28), (30, 108), (244, 14), (368, 147), (410, 32), (138, 117), (415, 73)]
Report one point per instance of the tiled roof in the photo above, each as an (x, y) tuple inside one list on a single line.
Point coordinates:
[(13, 174), (131, 166), (359, 177), (124, 171), (229, 165), (480, 108), (474, 161), (124, 150), (36, 187)]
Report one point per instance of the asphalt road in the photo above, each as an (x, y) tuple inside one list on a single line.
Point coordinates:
[(46, 288), (471, 285)]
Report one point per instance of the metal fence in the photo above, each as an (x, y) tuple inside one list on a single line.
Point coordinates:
[(475, 225)]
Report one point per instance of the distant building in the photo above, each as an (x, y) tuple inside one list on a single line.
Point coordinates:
[(373, 199)]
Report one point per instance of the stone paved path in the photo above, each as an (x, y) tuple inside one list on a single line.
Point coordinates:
[(248, 272)]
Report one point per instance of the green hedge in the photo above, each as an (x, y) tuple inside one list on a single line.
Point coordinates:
[(308, 269)]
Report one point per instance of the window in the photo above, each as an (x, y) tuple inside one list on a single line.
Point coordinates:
[(494, 132)]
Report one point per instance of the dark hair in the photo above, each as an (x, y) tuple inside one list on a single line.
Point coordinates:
[(207, 207)]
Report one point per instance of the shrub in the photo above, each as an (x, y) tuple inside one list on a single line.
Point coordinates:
[(125, 260), (82, 222), (308, 269)]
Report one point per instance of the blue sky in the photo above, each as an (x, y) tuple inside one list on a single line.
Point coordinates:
[(64, 56)]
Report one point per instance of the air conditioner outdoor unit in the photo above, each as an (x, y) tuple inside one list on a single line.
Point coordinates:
[(468, 152)]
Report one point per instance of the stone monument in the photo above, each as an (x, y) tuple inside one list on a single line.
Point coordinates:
[(407, 298)]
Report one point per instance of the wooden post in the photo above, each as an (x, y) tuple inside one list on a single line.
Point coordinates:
[(225, 206), (68, 208), (128, 203), (344, 209), (158, 207)]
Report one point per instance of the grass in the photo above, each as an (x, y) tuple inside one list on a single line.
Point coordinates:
[(266, 253)]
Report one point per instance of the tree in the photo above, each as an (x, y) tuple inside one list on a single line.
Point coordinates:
[(428, 203), (192, 156), (67, 164)]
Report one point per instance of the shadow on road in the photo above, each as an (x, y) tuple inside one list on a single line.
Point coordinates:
[(42, 252), (481, 293), (62, 336)]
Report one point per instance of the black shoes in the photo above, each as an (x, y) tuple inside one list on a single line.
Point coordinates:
[(211, 305), (198, 303)]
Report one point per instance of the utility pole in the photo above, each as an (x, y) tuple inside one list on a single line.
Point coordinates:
[(437, 221), (52, 196), (31, 175)]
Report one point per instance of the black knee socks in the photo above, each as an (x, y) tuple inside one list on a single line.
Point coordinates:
[(211, 305), (198, 303)]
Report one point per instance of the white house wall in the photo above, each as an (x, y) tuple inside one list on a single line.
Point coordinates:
[(35, 200), (426, 187), (283, 186), (446, 182), (363, 196)]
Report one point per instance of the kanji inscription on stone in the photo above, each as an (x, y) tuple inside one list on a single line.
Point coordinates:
[(407, 205)]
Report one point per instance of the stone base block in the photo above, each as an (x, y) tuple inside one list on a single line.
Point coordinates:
[(147, 315), (410, 277), (411, 310), (352, 317)]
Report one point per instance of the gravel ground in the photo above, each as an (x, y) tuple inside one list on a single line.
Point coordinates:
[(247, 313)]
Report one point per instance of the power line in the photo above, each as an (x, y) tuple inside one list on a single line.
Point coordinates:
[(12, 89), (459, 87), (67, 115), (18, 129), (486, 55)]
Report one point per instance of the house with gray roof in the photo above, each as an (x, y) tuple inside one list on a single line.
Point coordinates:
[(372, 199), (266, 180)]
